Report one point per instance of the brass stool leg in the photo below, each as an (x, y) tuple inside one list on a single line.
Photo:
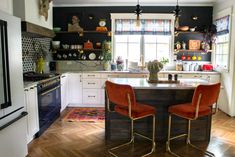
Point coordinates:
[(169, 134), (153, 138), (189, 132), (168, 149), (127, 143), (132, 138), (189, 142), (132, 131)]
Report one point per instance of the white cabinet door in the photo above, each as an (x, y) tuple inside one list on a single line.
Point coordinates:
[(91, 75), (91, 97), (136, 75), (214, 78), (91, 83), (75, 89), (64, 91), (32, 109)]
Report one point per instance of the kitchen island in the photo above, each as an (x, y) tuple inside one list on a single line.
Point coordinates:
[(160, 96)]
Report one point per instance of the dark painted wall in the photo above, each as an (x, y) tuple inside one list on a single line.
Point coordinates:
[(62, 15)]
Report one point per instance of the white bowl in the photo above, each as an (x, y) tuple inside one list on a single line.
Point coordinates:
[(192, 29), (55, 44), (65, 46)]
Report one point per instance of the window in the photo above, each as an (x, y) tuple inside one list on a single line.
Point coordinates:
[(222, 50), (151, 47), (152, 40)]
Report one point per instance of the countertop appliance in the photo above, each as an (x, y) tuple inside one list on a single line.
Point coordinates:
[(207, 67), (13, 141)]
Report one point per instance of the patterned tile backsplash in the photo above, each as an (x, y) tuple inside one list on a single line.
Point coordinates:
[(32, 49)]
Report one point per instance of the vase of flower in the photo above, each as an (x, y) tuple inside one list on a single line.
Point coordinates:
[(40, 65), (154, 67), (120, 65)]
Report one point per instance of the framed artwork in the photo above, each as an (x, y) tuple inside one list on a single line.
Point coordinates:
[(194, 44)]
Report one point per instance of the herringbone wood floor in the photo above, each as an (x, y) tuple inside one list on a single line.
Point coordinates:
[(74, 139)]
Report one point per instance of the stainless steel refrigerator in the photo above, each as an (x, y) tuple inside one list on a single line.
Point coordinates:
[(13, 126)]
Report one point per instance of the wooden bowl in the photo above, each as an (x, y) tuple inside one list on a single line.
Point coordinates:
[(184, 28)]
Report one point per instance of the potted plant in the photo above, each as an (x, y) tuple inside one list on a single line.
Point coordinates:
[(40, 56), (106, 54), (209, 37)]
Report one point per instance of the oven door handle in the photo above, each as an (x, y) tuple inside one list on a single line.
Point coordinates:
[(44, 93)]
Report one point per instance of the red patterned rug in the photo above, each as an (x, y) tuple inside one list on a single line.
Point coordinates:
[(86, 114)]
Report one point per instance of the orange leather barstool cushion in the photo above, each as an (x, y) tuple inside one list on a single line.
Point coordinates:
[(118, 94), (209, 96), (187, 110), (140, 110)]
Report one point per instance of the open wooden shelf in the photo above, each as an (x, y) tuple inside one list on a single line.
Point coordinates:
[(194, 51), (78, 49), (79, 32), (187, 32)]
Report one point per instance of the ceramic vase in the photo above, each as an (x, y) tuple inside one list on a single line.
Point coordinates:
[(153, 76), (107, 66)]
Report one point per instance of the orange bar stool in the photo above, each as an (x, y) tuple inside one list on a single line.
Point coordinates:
[(123, 97), (204, 97)]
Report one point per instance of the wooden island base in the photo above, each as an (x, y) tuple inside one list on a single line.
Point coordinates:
[(117, 126)]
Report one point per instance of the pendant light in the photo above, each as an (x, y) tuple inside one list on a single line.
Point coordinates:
[(177, 15), (138, 12)]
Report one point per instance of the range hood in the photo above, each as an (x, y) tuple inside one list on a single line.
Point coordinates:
[(32, 30)]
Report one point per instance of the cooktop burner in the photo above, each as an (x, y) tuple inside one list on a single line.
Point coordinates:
[(32, 76)]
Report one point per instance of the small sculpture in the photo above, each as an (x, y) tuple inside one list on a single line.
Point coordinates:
[(74, 27), (44, 7), (154, 67)]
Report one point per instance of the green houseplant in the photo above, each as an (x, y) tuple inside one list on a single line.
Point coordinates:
[(106, 54)]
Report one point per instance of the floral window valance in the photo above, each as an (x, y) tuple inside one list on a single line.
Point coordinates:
[(222, 25), (148, 26)]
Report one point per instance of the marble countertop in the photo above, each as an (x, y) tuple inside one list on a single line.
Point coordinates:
[(141, 83), (144, 72)]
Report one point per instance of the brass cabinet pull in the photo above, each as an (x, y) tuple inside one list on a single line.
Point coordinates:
[(91, 83)]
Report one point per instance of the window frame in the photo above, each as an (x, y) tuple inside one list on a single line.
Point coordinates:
[(221, 14), (171, 17)]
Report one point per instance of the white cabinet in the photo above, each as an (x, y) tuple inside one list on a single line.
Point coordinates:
[(7, 6), (75, 89), (31, 100), (28, 10), (92, 97), (92, 89), (64, 91), (136, 75)]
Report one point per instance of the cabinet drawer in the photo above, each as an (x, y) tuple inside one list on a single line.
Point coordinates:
[(90, 75), (91, 96), (91, 83), (137, 75), (106, 76)]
